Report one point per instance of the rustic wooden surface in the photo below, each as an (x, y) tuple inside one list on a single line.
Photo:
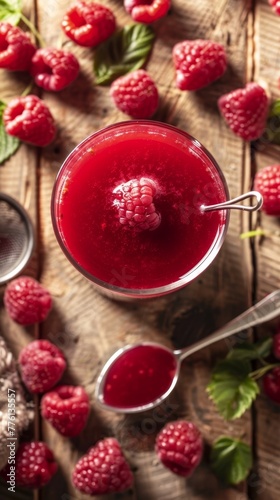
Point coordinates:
[(87, 326)]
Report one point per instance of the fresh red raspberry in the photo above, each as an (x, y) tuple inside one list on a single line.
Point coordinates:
[(54, 69), (134, 203), (198, 63), (135, 94), (67, 409), (16, 49), (27, 301), (179, 446), (147, 11), (276, 344), (42, 365), (245, 111), (275, 4), (35, 465), (271, 384), (88, 23), (267, 182), (30, 120), (103, 470)]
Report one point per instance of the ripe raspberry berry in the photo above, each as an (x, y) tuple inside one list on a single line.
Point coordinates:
[(103, 470), (245, 111), (271, 384), (30, 120), (275, 4), (267, 182), (16, 49), (144, 11), (42, 365), (88, 23), (179, 446), (54, 69), (134, 203), (27, 301), (35, 465), (198, 63), (135, 94), (67, 409), (276, 344)]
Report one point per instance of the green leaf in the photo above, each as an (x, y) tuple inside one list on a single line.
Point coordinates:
[(275, 108), (10, 11), (272, 131), (231, 388), (231, 460), (126, 50), (258, 350), (8, 143)]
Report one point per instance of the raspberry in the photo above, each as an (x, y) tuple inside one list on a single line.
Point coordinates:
[(267, 182), (276, 345), (135, 94), (103, 470), (198, 63), (275, 4), (16, 49), (27, 301), (134, 203), (271, 384), (34, 465), (245, 111), (67, 409), (147, 11), (30, 120), (54, 69), (88, 23), (42, 365), (179, 446)]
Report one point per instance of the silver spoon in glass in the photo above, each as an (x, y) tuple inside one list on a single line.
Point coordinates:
[(118, 391), (229, 204)]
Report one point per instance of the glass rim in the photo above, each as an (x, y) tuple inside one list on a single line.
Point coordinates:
[(123, 292)]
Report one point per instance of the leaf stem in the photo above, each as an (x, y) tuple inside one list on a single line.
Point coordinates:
[(33, 29), (252, 234), (28, 89), (256, 374)]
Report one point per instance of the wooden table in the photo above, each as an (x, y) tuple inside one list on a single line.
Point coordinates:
[(88, 326)]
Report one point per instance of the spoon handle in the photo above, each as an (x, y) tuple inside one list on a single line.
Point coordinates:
[(232, 204), (265, 310)]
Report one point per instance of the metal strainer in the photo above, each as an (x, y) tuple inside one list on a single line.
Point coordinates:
[(16, 238)]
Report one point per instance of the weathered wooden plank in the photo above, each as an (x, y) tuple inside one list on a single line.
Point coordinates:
[(18, 179), (267, 444)]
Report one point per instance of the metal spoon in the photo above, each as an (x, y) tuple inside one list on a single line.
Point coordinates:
[(265, 310), (229, 204)]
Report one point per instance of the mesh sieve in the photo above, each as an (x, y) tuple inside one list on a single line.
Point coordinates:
[(16, 238)]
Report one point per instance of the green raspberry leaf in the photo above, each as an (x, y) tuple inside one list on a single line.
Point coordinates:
[(231, 388), (258, 350), (275, 108), (125, 51), (10, 11), (272, 131), (8, 143), (231, 460)]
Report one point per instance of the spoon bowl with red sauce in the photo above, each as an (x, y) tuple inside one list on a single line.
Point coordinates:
[(139, 377)]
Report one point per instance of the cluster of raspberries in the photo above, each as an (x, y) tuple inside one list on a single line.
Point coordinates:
[(88, 24), (197, 64), (104, 468)]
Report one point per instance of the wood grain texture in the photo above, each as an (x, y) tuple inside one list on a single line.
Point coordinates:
[(88, 326), (267, 58)]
